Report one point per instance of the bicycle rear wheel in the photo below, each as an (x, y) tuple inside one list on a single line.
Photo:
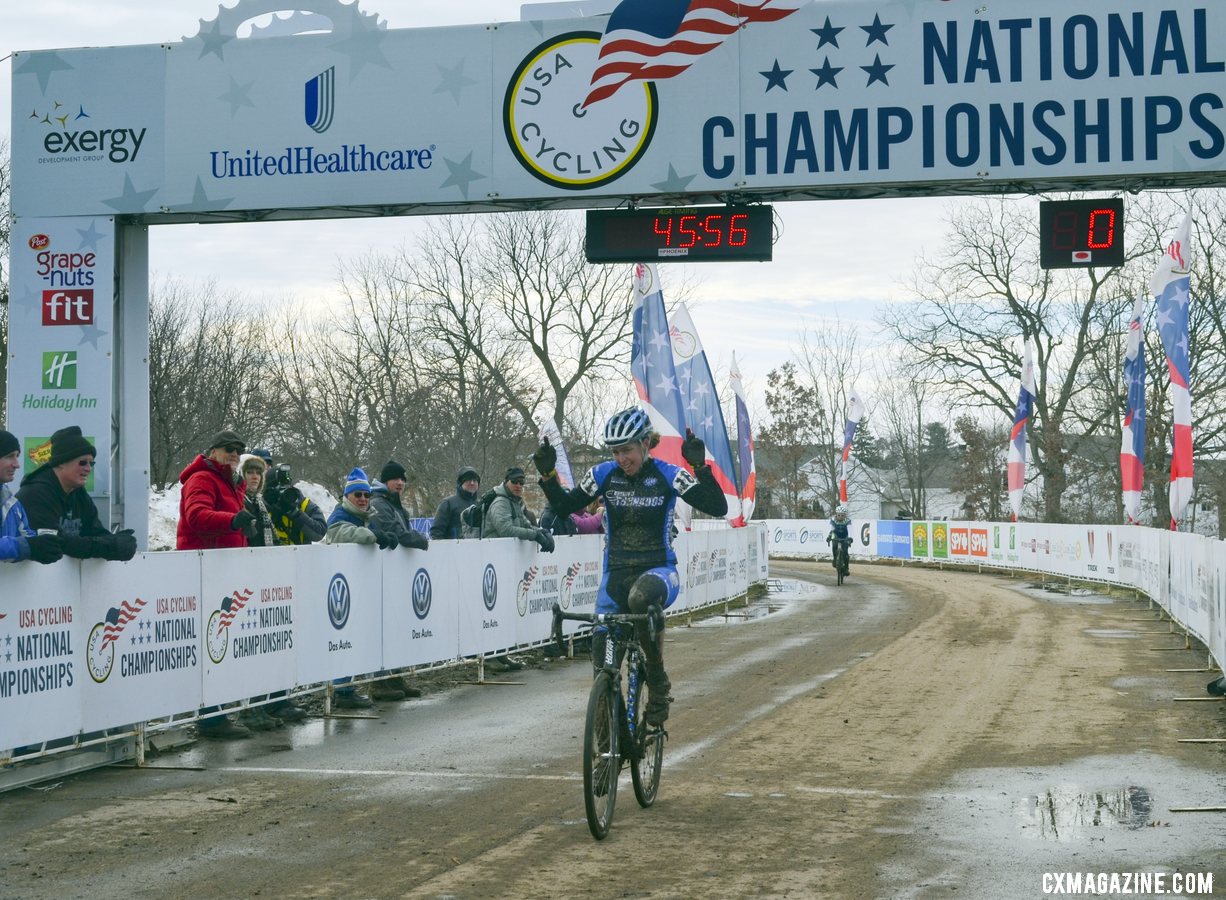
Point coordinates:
[(601, 763), (649, 750)]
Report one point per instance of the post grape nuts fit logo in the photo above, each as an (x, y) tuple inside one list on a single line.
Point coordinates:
[(338, 601), (489, 586), (422, 593)]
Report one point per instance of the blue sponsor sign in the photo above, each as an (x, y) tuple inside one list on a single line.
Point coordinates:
[(894, 539)]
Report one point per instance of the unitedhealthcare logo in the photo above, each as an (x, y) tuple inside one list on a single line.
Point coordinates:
[(321, 100)]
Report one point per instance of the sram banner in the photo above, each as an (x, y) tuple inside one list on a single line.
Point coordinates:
[(803, 99)]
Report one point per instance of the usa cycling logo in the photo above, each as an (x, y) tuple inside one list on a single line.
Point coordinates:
[(422, 594), (562, 134), (489, 586), (321, 100), (568, 583), (339, 601), (525, 588)]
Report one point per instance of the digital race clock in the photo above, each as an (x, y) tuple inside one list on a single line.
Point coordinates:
[(1081, 233), (686, 234)]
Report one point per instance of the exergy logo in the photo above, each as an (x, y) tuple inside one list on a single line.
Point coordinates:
[(83, 143)]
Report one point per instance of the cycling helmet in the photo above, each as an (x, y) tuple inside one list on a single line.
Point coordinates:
[(626, 427), (840, 512)]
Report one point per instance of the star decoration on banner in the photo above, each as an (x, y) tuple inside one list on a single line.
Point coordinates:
[(363, 49), (674, 183), (213, 41), (203, 203), (1164, 318), (91, 334), (453, 81), (131, 200), (826, 75), (658, 341), (43, 66), (776, 77), (877, 71), (827, 34), (89, 237), (238, 96), (876, 31), (666, 385), (461, 174)]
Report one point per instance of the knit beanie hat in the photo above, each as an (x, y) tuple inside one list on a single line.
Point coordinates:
[(392, 470), (467, 473), (67, 444), (357, 481), (8, 443)]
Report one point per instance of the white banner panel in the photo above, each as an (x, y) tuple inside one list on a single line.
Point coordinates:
[(489, 589), (421, 595), (1217, 603), (42, 652), (252, 614), (836, 96), (580, 560), (340, 593), (144, 652), (60, 337)]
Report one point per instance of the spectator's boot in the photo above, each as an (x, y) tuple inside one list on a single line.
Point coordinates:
[(255, 718), (387, 690), (402, 684), (220, 728), (287, 711), (349, 698)]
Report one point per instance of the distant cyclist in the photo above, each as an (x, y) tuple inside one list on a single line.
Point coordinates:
[(839, 534), (640, 493)]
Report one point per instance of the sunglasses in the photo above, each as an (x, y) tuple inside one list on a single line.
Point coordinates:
[(85, 463), (233, 448), (517, 481), (360, 495)]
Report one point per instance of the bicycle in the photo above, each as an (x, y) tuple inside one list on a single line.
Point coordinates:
[(616, 728), (841, 561)]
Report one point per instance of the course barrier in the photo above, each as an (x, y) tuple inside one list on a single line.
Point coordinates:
[(90, 646), (1184, 573)]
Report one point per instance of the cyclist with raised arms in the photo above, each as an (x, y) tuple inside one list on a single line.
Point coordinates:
[(640, 493)]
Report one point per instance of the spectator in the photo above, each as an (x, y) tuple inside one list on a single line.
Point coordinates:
[(350, 524), (54, 496), (212, 515), (18, 541), (296, 518), (558, 526), (252, 468), (388, 510), (447, 520), (265, 455), (505, 518), (211, 509), (389, 516), (591, 520)]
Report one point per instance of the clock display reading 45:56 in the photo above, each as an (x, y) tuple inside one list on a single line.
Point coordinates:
[(685, 234)]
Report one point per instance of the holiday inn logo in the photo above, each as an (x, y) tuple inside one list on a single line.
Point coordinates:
[(60, 370)]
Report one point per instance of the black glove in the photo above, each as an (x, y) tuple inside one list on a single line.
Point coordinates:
[(545, 458), (414, 540), (693, 450), (46, 548), (245, 522), (386, 540), (545, 539), (122, 547), (290, 498)]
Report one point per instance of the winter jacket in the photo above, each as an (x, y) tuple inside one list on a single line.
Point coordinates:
[(505, 517), (349, 525), (14, 528), (302, 524), (265, 534), (447, 519), (210, 500), (73, 515), (561, 526), (588, 523), (388, 515)]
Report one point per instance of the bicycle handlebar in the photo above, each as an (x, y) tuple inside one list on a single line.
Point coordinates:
[(603, 619)]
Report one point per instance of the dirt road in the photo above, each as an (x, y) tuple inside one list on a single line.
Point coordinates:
[(915, 733)]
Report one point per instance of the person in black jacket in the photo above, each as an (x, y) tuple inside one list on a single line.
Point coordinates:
[(447, 520), (54, 496), (389, 512)]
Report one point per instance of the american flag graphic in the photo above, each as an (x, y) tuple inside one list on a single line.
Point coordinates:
[(118, 618), (572, 572), (525, 583), (744, 438), (1132, 449), (653, 40), (651, 365), (1017, 437), (232, 605), (1171, 284)]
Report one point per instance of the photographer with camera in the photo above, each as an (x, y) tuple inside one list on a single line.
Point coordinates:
[(296, 519)]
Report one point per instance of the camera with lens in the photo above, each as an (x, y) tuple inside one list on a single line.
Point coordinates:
[(278, 484)]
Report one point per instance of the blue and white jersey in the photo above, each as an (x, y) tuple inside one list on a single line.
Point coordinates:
[(639, 510)]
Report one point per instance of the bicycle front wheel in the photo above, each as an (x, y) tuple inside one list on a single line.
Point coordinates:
[(649, 751), (601, 763)]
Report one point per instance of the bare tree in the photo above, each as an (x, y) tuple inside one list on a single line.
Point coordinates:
[(906, 412), (789, 441), (831, 364)]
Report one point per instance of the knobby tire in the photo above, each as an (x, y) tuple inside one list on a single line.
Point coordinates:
[(649, 756), (600, 746)]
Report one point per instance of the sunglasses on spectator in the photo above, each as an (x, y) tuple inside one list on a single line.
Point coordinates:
[(517, 481), (85, 463), (360, 495), (233, 448)]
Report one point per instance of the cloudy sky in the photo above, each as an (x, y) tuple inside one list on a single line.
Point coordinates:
[(831, 260)]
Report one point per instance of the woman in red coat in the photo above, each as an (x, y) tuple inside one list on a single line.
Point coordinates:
[(211, 512)]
